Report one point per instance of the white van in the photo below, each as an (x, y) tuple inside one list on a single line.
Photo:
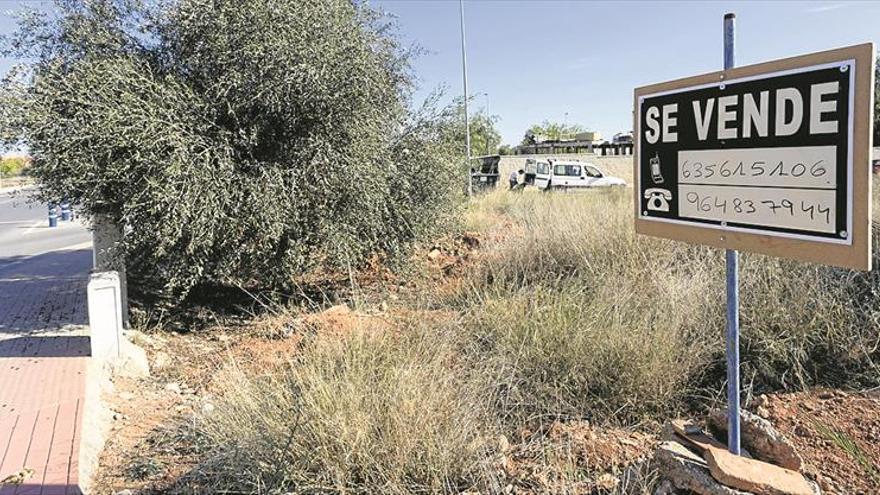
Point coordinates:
[(561, 174)]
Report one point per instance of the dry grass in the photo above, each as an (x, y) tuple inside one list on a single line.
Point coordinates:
[(603, 320), (372, 412), (566, 315)]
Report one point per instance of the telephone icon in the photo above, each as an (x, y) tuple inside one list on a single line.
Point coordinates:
[(656, 176), (658, 199)]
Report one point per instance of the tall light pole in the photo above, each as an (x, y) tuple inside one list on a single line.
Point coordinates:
[(467, 122), (486, 151)]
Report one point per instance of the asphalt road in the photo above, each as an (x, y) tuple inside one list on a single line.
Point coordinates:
[(24, 229)]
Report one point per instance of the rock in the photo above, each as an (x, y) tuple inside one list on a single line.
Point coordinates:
[(132, 361), (173, 387), (434, 254), (688, 471), (126, 396), (761, 439), (678, 431), (124, 492), (161, 360), (208, 408), (753, 476)]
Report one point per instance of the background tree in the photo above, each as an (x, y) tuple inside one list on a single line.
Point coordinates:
[(12, 166), (485, 137), (552, 131), (235, 145)]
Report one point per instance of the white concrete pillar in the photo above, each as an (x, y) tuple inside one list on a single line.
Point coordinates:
[(105, 314)]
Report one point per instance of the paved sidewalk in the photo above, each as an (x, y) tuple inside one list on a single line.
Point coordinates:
[(44, 352)]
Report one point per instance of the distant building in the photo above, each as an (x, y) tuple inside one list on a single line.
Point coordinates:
[(623, 138), (537, 144), (589, 136)]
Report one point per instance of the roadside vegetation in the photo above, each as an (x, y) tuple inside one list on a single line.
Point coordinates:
[(563, 316), (13, 167), (236, 146)]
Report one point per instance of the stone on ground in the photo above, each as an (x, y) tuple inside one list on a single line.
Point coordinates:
[(761, 439), (686, 470), (753, 476)]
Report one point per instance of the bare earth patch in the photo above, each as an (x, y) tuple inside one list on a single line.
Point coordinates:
[(837, 434)]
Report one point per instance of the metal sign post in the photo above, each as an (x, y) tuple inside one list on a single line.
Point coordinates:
[(732, 290), (716, 166)]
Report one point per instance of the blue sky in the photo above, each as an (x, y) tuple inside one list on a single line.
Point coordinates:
[(539, 60)]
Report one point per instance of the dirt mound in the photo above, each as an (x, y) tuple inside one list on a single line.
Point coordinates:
[(341, 320), (837, 433)]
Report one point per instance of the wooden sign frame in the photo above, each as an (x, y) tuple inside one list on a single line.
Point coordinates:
[(857, 254)]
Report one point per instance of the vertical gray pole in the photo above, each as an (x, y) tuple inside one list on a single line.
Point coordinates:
[(732, 290), (467, 122)]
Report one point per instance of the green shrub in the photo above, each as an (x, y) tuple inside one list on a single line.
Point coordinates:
[(12, 167), (235, 145)]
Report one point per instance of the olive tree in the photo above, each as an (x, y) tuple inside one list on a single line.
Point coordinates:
[(245, 145)]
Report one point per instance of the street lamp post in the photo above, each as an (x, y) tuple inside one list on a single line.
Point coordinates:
[(467, 123)]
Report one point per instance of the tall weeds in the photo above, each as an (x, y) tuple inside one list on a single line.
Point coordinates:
[(590, 319)]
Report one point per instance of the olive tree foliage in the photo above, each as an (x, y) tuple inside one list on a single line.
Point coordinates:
[(234, 144)]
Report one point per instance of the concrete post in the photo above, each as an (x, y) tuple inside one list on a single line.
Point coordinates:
[(105, 315), (108, 256)]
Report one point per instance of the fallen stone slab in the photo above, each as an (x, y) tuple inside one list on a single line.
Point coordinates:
[(687, 432), (753, 476), (686, 470), (762, 440)]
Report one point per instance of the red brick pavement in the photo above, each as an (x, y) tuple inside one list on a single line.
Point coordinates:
[(43, 372)]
